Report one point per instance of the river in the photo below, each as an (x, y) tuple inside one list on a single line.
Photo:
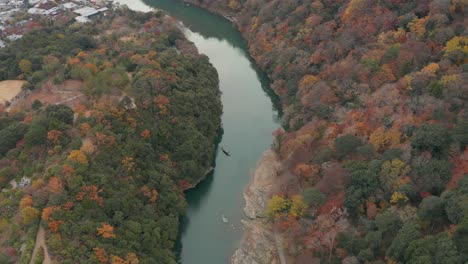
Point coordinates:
[(249, 118)]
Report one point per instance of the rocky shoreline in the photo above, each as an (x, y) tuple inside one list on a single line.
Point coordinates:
[(258, 244)]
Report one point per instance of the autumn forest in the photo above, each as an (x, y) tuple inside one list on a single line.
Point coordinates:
[(373, 143)]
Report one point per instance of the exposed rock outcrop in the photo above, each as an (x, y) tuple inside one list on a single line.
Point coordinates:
[(258, 245)]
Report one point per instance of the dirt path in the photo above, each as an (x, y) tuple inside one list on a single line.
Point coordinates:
[(69, 99), (40, 242), (279, 247)]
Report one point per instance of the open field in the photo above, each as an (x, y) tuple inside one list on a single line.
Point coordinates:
[(68, 93), (9, 89)]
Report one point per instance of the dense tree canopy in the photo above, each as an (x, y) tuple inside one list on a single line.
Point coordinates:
[(378, 88), (107, 174)]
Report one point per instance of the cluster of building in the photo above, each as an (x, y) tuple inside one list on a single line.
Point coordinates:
[(18, 16)]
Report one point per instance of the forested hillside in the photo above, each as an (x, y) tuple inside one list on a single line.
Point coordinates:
[(107, 172), (375, 97)]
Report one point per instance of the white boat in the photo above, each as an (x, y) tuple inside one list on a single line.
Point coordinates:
[(225, 220)]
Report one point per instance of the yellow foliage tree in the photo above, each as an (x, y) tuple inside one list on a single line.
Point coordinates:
[(37, 184), (78, 156), (458, 43), (25, 66), (450, 78), (233, 4), (393, 136), (381, 138), (29, 214), (353, 7), (398, 198), (298, 206), (377, 138), (129, 163), (277, 204), (308, 80), (418, 26), (391, 173)]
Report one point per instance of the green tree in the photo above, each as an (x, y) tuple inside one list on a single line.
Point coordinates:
[(456, 201), (460, 237), (36, 105), (434, 250), (313, 197), (460, 133), (420, 250), (37, 133), (346, 145), (10, 136), (388, 223), (432, 210), (62, 113), (431, 175), (364, 184), (446, 251), (409, 232), (431, 137)]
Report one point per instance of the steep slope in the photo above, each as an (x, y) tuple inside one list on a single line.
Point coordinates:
[(375, 98)]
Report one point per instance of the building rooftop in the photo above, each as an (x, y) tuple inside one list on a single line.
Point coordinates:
[(87, 11), (82, 19)]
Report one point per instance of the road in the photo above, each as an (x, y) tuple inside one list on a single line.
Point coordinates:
[(40, 242)]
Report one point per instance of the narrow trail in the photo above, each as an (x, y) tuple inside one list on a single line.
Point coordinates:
[(70, 99), (279, 247), (40, 242)]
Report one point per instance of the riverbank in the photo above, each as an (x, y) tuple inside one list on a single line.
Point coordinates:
[(258, 244)]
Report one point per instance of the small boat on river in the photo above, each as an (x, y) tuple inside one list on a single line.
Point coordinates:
[(225, 152), (225, 220)]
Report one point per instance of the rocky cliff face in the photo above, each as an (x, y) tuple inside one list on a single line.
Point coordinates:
[(258, 245)]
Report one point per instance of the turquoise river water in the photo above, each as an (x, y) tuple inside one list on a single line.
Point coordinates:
[(249, 118)]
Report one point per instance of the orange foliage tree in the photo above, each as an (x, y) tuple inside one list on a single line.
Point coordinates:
[(84, 128), (106, 230), (53, 136), (101, 255), (55, 185), (48, 211), (151, 194), (145, 134), (26, 201), (54, 225), (162, 102), (92, 193)]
